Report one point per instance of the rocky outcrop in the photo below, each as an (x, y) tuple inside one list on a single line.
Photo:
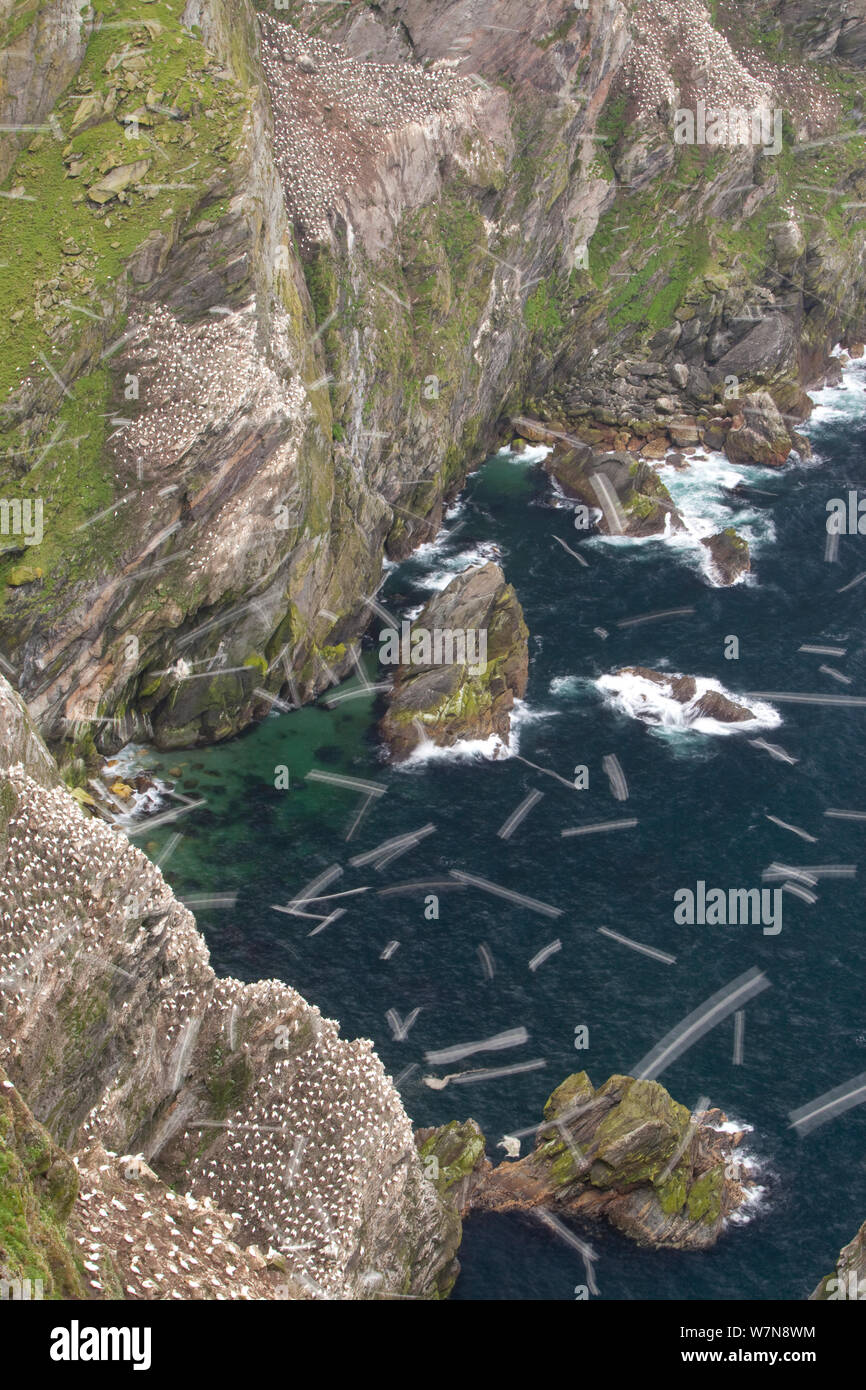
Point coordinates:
[(825, 31), (692, 335), (710, 704), (758, 433), (463, 662), (629, 495), (848, 1280), (629, 1153), (729, 553), (455, 1161), (125, 1045)]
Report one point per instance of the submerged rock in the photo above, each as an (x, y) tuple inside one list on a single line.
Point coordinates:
[(627, 1152), (730, 554), (462, 665)]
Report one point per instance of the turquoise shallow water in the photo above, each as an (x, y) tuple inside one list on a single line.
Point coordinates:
[(702, 802)]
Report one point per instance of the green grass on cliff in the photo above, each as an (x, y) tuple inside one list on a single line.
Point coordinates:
[(38, 1186), (61, 258)]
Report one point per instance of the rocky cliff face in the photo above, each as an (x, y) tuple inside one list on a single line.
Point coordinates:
[(308, 265), (290, 1144)]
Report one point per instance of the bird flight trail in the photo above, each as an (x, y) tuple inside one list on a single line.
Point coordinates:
[(720, 1005), (519, 898), (507, 829), (512, 1037)]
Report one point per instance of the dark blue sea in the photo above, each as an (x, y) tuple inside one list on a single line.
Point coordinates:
[(701, 797)]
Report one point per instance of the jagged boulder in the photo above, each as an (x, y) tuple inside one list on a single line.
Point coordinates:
[(712, 704), (759, 434), (627, 1152), (460, 667), (632, 497), (730, 554)]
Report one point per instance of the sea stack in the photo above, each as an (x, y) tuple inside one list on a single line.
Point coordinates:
[(460, 667)]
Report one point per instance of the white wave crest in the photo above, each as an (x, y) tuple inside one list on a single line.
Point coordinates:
[(533, 453), (847, 401), (655, 704), (490, 749), (452, 565)]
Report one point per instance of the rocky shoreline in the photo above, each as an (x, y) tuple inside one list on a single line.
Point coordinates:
[(294, 407), (131, 1076)]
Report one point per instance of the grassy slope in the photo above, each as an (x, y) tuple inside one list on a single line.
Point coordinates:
[(60, 250)]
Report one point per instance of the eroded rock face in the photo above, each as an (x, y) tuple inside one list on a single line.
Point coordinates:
[(454, 699), (123, 1041), (826, 30), (629, 1153), (248, 503), (439, 199), (38, 1191)]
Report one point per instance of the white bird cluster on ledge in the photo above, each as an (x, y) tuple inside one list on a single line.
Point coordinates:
[(678, 57), (297, 1159), (132, 1229), (333, 114), (195, 377), (107, 986)]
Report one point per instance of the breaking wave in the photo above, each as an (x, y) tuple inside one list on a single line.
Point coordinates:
[(654, 704)]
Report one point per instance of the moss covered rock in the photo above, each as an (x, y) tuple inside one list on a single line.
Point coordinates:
[(38, 1186), (461, 665), (630, 1153)]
